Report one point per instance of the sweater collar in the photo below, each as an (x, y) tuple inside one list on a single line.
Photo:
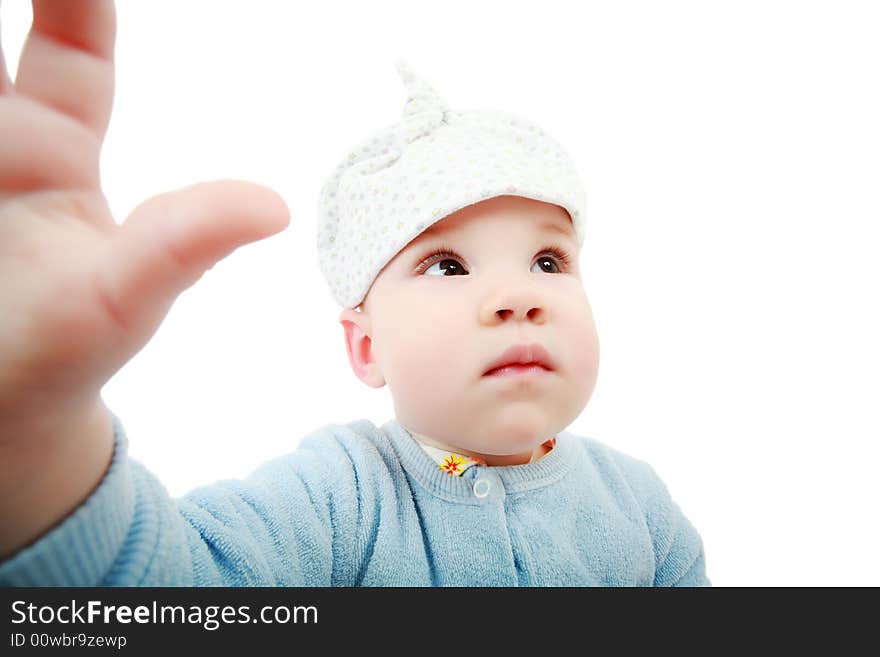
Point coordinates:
[(452, 463), (423, 466), (455, 464)]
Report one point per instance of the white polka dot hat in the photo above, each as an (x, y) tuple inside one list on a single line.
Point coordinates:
[(414, 173)]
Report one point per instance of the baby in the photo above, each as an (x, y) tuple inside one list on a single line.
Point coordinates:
[(474, 482)]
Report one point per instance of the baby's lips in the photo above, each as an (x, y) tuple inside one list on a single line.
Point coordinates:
[(522, 354)]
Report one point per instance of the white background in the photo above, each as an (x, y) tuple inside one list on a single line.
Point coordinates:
[(731, 155)]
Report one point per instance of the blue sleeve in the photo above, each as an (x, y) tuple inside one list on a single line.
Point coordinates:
[(286, 524), (679, 555)]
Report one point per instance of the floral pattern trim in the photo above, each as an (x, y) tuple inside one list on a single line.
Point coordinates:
[(455, 464)]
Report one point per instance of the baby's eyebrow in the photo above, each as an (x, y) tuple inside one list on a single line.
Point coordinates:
[(558, 229)]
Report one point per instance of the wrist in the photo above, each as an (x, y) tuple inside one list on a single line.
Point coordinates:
[(48, 467)]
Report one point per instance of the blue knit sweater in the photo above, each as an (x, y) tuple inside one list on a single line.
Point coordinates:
[(360, 505)]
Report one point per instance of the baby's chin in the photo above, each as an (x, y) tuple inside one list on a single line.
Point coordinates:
[(503, 440), (502, 430), (505, 449)]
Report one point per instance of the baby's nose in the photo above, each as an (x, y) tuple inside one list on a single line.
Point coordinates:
[(520, 302), (508, 313)]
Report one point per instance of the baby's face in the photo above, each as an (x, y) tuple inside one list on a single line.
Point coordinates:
[(431, 328)]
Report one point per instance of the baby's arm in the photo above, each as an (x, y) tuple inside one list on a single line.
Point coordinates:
[(80, 294), (290, 524)]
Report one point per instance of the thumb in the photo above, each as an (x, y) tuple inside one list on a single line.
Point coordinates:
[(169, 241)]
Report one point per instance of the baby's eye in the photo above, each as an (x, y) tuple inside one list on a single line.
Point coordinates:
[(446, 267), (547, 265), (554, 260), (444, 262)]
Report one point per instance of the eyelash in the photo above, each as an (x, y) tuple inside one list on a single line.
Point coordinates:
[(556, 251)]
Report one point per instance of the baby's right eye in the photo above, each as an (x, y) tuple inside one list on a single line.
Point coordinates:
[(449, 267)]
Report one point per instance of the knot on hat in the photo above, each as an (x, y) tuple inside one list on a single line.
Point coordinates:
[(421, 97)]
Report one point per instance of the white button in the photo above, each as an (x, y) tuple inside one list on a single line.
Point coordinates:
[(481, 487)]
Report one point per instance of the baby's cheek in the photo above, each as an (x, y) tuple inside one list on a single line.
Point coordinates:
[(427, 397), (419, 371), (586, 360)]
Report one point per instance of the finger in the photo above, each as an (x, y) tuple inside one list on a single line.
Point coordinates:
[(5, 82), (40, 148), (67, 60), (170, 240)]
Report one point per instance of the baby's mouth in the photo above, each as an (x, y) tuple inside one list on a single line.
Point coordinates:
[(521, 359), (518, 369)]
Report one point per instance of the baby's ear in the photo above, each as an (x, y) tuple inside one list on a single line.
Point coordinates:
[(359, 345)]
